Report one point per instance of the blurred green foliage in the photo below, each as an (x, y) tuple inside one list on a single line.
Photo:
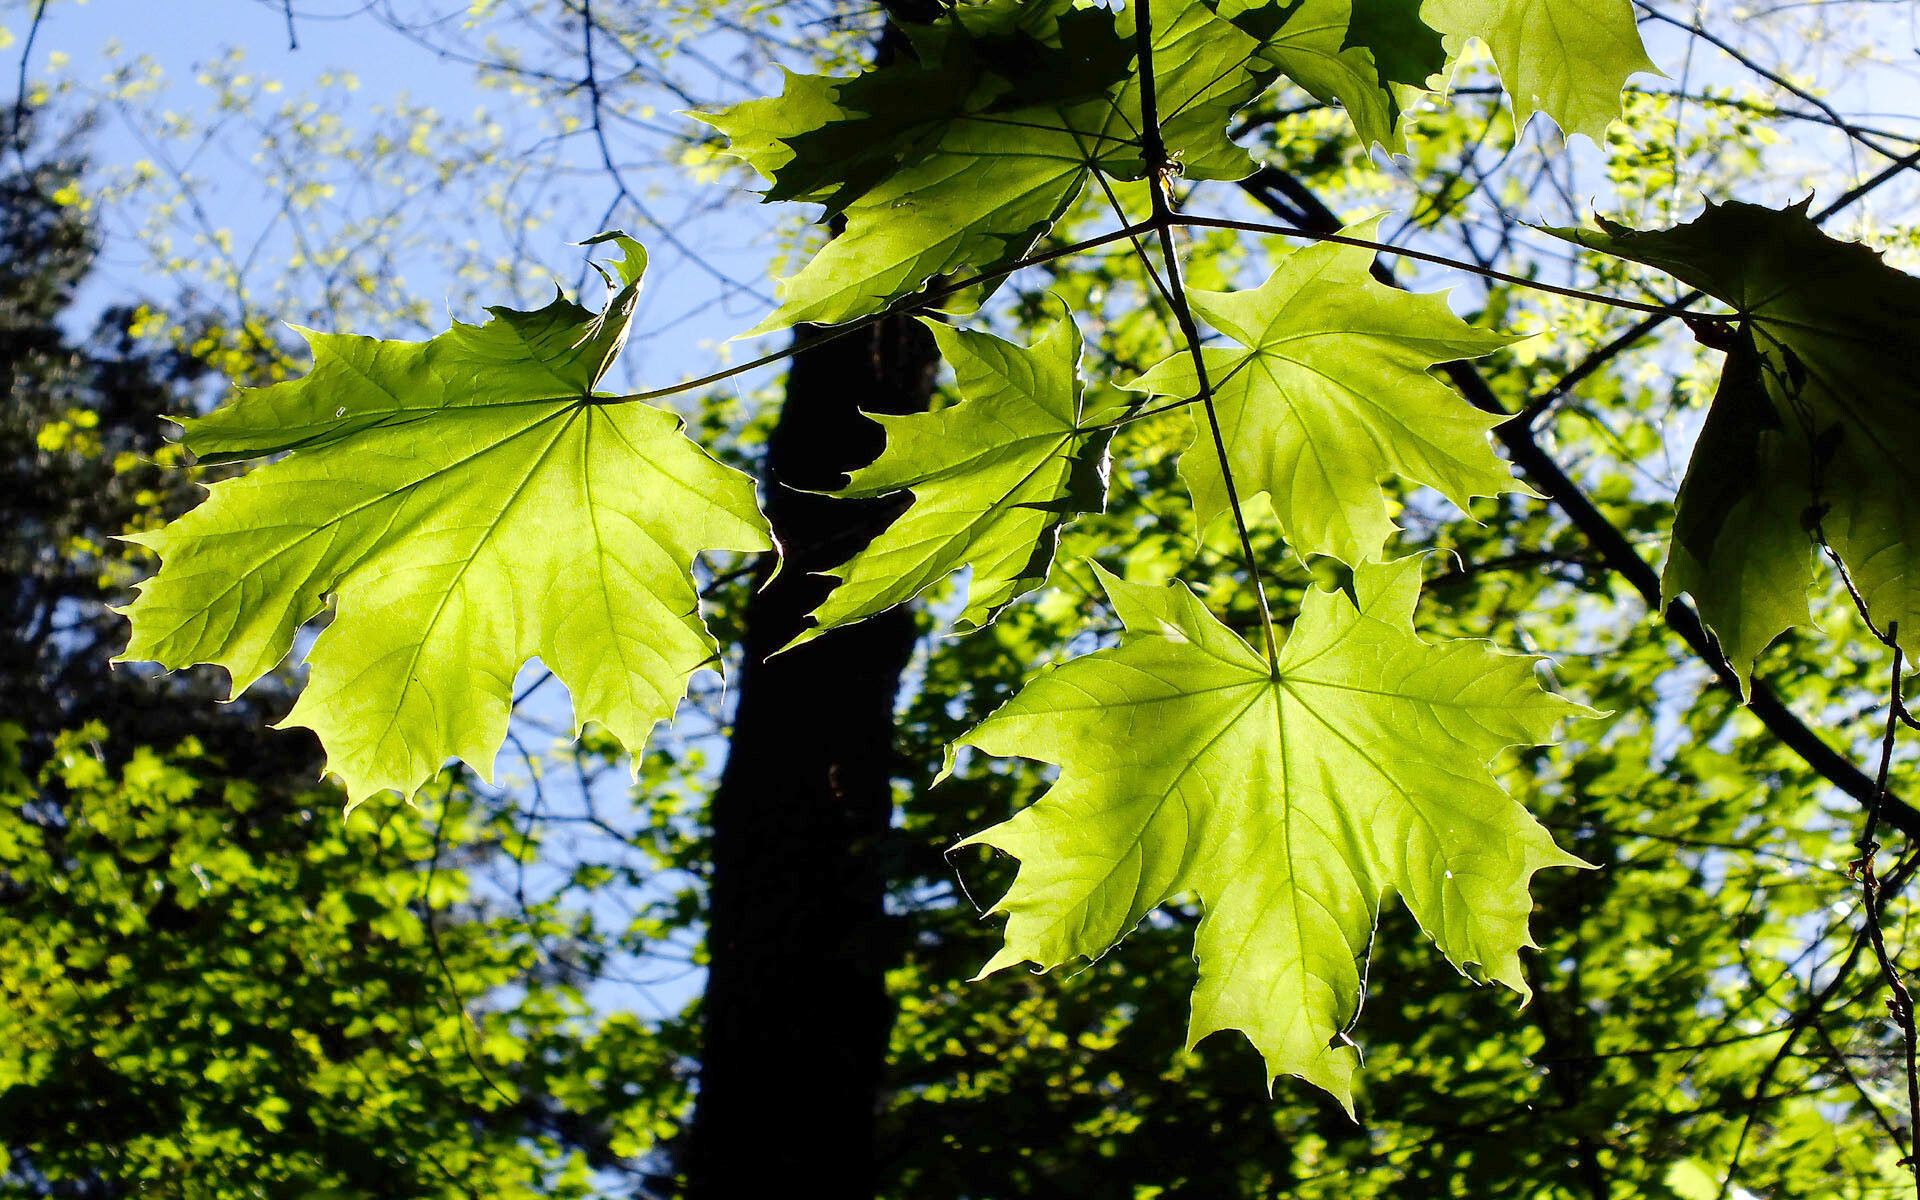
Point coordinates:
[(210, 984)]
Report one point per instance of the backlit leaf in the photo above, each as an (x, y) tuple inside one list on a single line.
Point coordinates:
[(1566, 58), (1814, 420), (1288, 801), (993, 478), (466, 504), (1312, 43), (958, 163), (1329, 391)]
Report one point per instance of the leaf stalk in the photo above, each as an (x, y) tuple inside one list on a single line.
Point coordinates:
[(1159, 169)]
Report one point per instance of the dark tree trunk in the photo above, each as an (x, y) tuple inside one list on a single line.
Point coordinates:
[(796, 1013)]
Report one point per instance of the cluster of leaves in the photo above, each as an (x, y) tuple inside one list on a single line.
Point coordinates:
[(1667, 982), (471, 502), (1662, 991)]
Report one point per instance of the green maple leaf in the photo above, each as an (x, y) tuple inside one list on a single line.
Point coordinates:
[(467, 503), (827, 140), (1567, 58), (1814, 419), (1288, 801), (994, 478), (1313, 43), (1406, 50), (1739, 546), (960, 162), (1330, 392)]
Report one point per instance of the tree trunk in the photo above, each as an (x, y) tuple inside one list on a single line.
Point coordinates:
[(796, 1011)]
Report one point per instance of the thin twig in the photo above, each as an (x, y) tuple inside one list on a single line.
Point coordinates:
[(1154, 151), (1342, 239), (1899, 999), (463, 1019), (1811, 1013), (20, 90)]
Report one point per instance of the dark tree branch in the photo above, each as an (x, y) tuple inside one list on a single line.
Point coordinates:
[(19, 118)]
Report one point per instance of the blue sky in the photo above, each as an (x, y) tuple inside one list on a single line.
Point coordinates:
[(687, 315)]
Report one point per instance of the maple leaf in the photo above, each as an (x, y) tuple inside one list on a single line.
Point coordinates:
[(1330, 392), (1740, 547), (467, 503), (1290, 801), (1812, 426), (1313, 43), (1567, 58), (961, 160), (1406, 50), (994, 478)]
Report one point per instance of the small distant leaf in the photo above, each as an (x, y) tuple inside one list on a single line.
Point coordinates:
[(1329, 393), (1815, 414), (1567, 58), (1290, 802), (994, 478), (467, 503)]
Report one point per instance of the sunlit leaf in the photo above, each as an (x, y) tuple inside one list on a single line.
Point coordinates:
[(1328, 392), (993, 478), (465, 504), (1566, 58), (1288, 800)]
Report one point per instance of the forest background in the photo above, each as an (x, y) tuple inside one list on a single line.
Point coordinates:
[(218, 985)]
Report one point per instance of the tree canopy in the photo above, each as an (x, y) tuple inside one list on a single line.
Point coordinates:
[(1286, 650)]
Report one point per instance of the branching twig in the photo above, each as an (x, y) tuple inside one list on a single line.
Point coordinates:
[(20, 90), (1832, 115), (1810, 1014), (1899, 999), (623, 193), (1158, 165)]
